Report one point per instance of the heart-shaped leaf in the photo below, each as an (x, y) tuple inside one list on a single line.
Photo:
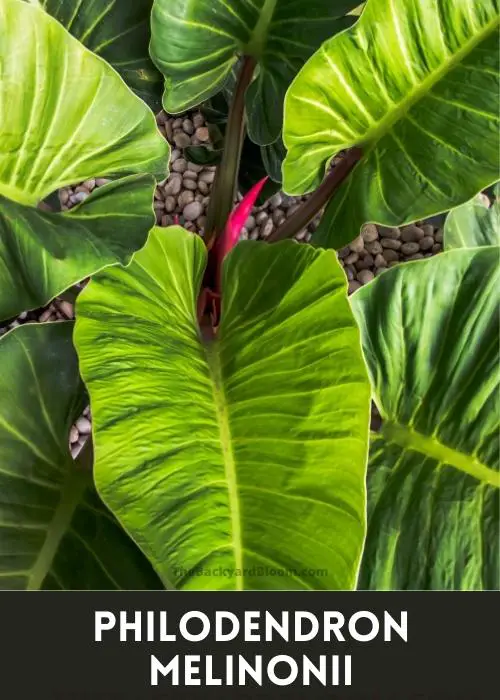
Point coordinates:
[(54, 531), (195, 44), (246, 451), (430, 337), (472, 225), (120, 33), (66, 116), (415, 85), (42, 254)]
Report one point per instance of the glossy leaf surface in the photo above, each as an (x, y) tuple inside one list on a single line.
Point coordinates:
[(473, 225), (247, 451), (43, 253), (120, 33), (415, 85), (66, 116), (430, 337), (54, 531), (197, 43)]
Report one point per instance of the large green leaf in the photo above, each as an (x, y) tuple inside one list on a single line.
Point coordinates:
[(54, 531), (42, 254), (246, 452), (196, 43), (119, 32), (430, 337), (415, 84), (473, 224), (65, 115)]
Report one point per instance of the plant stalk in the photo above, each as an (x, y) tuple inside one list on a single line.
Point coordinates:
[(307, 211), (223, 193)]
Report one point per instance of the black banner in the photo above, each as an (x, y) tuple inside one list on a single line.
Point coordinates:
[(250, 645)]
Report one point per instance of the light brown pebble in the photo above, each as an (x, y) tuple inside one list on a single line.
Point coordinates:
[(438, 236), (351, 258), (261, 218), (389, 232), (365, 276), (278, 217), (250, 224), (194, 167), (83, 426), (366, 263), (390, 255), (63, 196), (66, 308), (202, 134), (426, 243), (180, 165), (101, 181), (174, 185), (190, 175), (207, 176), (410, 248), (190, 185), (357, 244), (369, 233), (192, 211), (203, 187), (428, 230), (437, 248), (185, 198), (380, 261), (201, 221), (170, 203), (374, 248), (266, 229), (73, 434), (198, 120), (391, 243), (188, 126), (45, 315), (175, 154), (353, 286), (416, 256), (411, 233), (89, 184), (344, 252), (181, 139), (350, 272)]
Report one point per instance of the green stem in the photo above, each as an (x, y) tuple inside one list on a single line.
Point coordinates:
[(223, 193), (312, 206)]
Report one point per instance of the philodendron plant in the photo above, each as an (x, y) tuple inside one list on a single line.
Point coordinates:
[(230, 383)]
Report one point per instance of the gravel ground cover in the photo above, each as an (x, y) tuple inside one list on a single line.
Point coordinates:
[(186, 194)]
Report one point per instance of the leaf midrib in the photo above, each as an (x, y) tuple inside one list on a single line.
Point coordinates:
[(72, 491), (373, 136), (430, 446), (220, 403)]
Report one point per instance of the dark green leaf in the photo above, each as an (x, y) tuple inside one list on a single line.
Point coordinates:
[(430, 336), (196, 44), (43, 253), (414, 84), (54, 531)]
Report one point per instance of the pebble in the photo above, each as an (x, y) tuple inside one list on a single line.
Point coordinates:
[(185, 198), (353, 286), (192, 211), (180, 165), (357, 245), (369, 233), (389, 232), (390, 255), (83, 426), (426, 243), (73, 434), (410, 248), (202, 134), (174, 185), (365, 276), (181, 139), (391, 243), (380, 261), (411, 234)]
